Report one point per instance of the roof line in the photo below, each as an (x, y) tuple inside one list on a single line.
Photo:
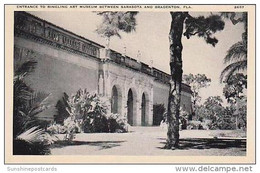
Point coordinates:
[(70, 32)]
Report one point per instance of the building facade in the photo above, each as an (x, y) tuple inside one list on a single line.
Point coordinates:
[(67, 62)]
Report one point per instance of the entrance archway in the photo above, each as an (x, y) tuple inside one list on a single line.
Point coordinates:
[(143, 110), (131, 107)]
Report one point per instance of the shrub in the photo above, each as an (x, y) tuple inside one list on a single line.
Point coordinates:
[(56, 129), (61, 106), (89, 110), (34, 141), (70, 127), (117, 123), (88, 113), (206, 124), (192, 125), (184, 116)]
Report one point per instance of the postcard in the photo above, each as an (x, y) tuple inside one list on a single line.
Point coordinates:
[(165, 84)]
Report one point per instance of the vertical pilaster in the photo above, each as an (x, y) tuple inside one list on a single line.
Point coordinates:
[(150, 110), (124, 99), (105, 86), (138, 103), (138, 109)]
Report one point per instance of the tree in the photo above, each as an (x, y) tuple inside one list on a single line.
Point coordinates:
[(242, 114), (28, 139), (214, 115), (236, 58), (27, 103), (182, 23), (233, 92), (234, 87), (225, 120), (215, 110), (196, 82), (201, 26), (114, 22), (201, 112)]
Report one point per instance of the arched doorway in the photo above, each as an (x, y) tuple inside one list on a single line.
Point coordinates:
[(131, 107), (116, 99), (143, 110)]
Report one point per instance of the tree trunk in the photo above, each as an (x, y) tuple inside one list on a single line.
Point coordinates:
[(237, 111), (174, 99), (194, 109)]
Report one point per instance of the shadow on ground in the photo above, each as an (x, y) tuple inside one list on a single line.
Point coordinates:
[(209, 143), (101, 144)]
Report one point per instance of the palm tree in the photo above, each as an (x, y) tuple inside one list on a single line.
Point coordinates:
[(27, 105), (22, 93), (33, 141), (236, 58)]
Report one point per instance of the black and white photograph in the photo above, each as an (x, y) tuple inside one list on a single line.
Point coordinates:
[(116, 81)]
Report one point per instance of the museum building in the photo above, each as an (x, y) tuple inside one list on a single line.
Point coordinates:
[(67, 62)]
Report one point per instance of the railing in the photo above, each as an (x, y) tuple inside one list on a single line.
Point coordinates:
[(146, 69), (140, 66), (132, 63), (41, 29), (161, 76), (117, 57), (124, 60)]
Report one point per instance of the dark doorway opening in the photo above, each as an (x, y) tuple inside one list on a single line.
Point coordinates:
[(130, 107), (143, 108)]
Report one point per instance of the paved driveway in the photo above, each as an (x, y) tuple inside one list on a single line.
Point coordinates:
[(147, 141)]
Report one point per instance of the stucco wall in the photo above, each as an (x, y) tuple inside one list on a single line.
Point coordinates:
[(57, 73), (161, 92), (186, 102), (60, 71)]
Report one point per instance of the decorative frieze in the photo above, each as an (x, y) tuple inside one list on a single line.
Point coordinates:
[(34, 28)]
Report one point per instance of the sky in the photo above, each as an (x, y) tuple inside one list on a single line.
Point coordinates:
[(151, 39)]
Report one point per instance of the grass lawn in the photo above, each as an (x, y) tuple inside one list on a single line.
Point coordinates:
[(150, 141)]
